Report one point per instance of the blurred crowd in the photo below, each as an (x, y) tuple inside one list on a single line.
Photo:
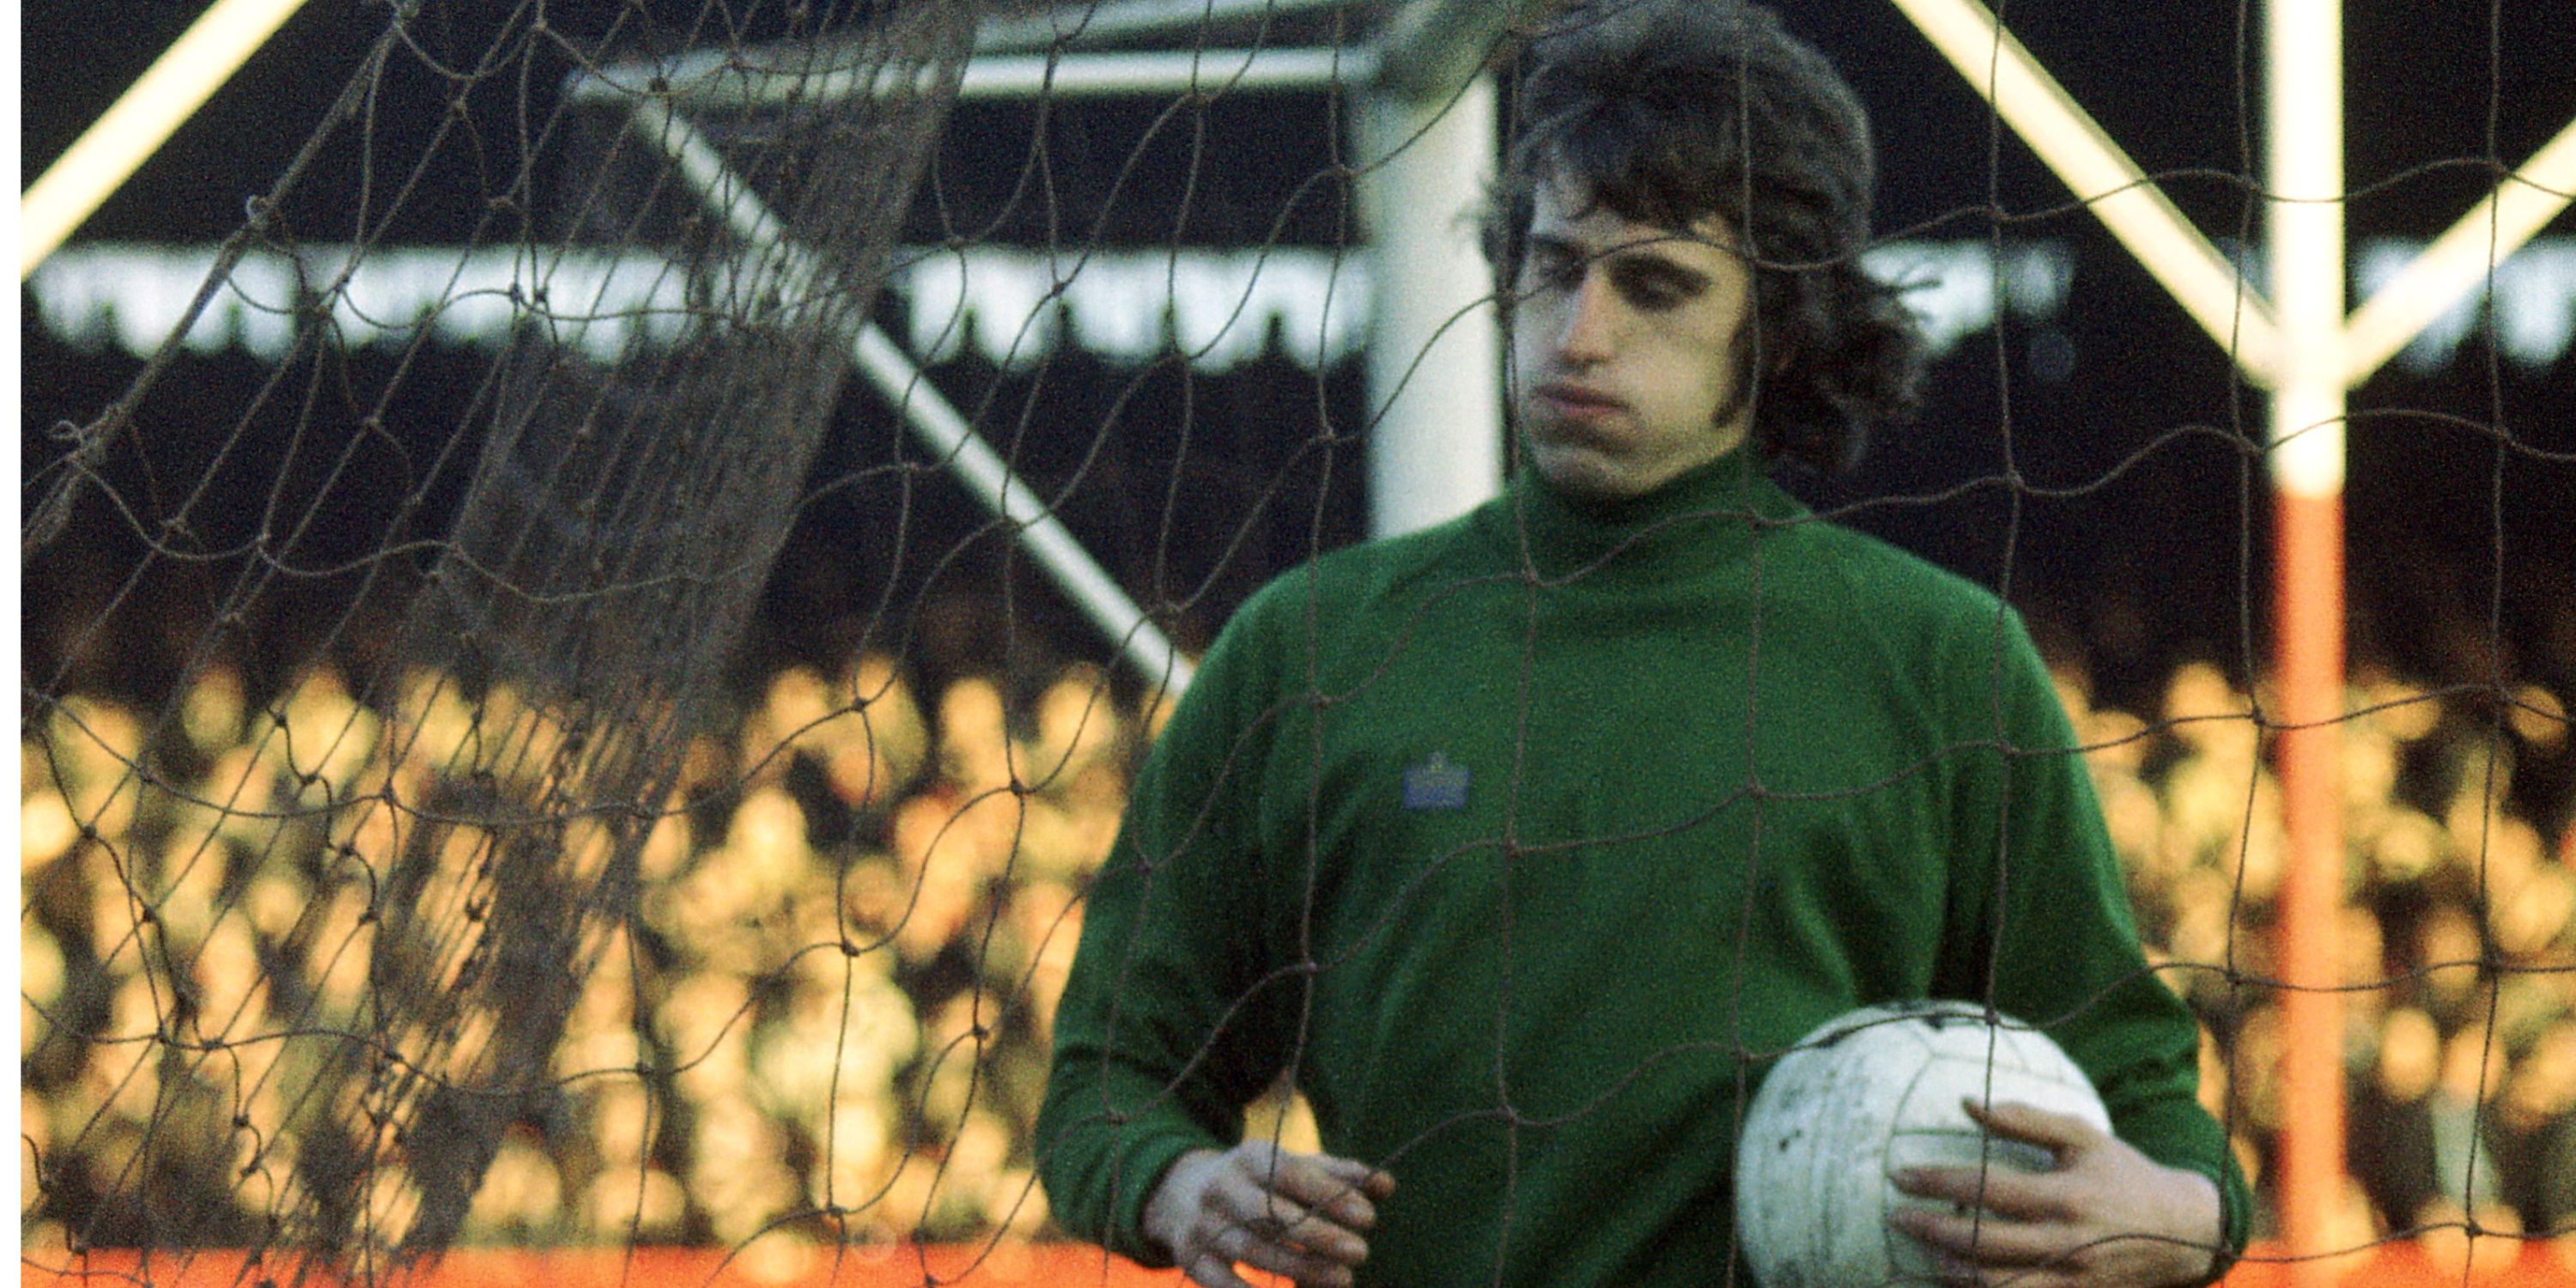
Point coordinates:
[(828, 1017), (828, 1020), (2457, 939)]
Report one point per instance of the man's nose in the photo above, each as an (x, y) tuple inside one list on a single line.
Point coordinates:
[(1590, 321)]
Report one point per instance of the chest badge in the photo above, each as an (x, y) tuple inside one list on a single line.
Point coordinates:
[(1435, 784)]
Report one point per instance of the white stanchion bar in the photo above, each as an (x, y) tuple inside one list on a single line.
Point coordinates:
[(1166, 72), (2104, 177), (933, 419), (737, 82), (740, 77), (1091, 20), (174, 87), (2460, 259), (946, 432), (1435, 437), (703, 166)]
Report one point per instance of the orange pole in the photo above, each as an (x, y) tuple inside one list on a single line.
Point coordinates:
[(2309, 648), (2305, 231)]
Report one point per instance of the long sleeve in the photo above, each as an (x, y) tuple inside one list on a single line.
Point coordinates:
[(2045, 905), (1169, 1021)]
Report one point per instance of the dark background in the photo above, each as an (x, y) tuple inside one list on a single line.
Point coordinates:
[(1194, 488)]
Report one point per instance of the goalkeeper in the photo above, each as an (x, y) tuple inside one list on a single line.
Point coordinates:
[(1511, 840)]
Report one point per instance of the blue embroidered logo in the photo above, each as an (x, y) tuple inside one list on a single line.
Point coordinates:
[(1435, 784)]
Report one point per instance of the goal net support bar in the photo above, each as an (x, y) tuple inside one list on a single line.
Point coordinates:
[(937, 422)]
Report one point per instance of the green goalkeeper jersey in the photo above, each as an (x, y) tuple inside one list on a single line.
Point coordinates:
[(1518, 843)]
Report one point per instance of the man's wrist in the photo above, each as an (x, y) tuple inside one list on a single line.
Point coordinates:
[(2201, 1229), (1165, 1221)]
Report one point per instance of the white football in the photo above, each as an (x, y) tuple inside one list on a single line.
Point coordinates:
[(1863, 1096)]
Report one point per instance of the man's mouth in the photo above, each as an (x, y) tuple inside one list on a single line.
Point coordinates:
[(1575, 403)]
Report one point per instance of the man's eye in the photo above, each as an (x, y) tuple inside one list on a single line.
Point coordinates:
[(1651, 290), (1555, 271)]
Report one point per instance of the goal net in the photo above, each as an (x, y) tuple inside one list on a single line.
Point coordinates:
[(585, 647)]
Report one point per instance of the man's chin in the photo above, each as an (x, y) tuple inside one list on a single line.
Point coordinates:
[(1590, 474)]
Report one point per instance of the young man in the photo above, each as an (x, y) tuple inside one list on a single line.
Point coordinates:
[(1520, 843)]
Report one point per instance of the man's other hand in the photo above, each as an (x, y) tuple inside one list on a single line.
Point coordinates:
[(2106, 1216), (1300, 1215)]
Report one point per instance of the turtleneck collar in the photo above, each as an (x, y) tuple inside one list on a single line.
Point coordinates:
[(1700, 521)]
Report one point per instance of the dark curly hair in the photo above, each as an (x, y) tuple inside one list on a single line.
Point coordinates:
[(1648, 106)]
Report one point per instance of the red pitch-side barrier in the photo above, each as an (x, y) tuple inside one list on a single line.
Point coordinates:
[(2500, 1264)]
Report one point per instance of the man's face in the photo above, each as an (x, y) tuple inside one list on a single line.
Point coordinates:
[(1623, 347)]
